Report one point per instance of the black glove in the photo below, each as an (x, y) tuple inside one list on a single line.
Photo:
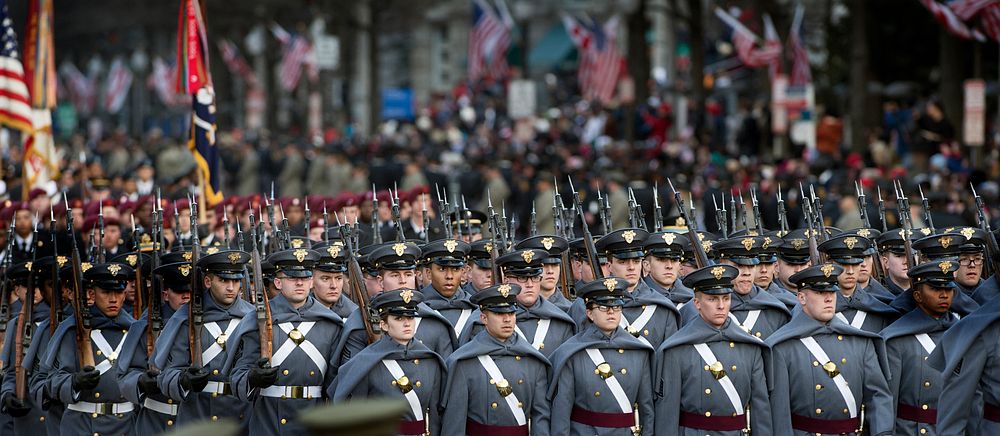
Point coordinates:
[(15, 407), (86, 379), (194, 379), (147, 383), (262, 375)]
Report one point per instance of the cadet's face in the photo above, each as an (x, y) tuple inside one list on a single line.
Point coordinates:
[(295, 289), (663, 271), (499, 325), (112, 235), (628, 269), (865, 269), (582, 271), (786, 270), (605, 318), (108, 302), (22, 290), (397, 279), (176, 299), (743, 283), (895, 266), (550, 277), (933, 300), (373, 285), (399, 328), (765, 274), (820, 306), (481, 278), (848, 279), (686, 268), (529, 289), (714, 309), (446, 279), (130, 290), (970, 269), (316, 233), (224, 291), (327, 286)]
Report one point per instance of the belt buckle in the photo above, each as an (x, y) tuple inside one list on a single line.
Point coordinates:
[(105, 408), (296, 391)]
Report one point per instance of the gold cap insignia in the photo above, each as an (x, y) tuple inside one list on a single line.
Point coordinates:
[(184, 269), (827, 269), (334, 250), (131, 259), (504, 290), (488, 247), (629, 236), (945, 241), (450, 245), (668, 238), (61, 260), (399, 248), (926, 231), (296, 243), (748, 243), (968, 232), (212, 250), (407, 295), (300, 254), (527, 255), (680, 222), (84, 266), (718, 272), (187, 256), (234, 257), (752, 233), (27, 265), (767, 242), (706, 245), (145, 239), (547, 243), (610, 283), (850, 242), (865, 233), (945, 266), (114, 268), (798, 243)]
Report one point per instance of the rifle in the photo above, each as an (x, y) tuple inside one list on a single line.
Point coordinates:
[(445, 213), (84, 349), (286, 235), (424, 218), (137, 307), (862, 205), (154, 310), (307, 218), (196, 309), (588, 239), (55, 299), (394, 198), (700, 257), (743, 209), (495, 248), (732, 210), (881, 210), (633, 216), (658, 213), (818, 211), (5, 287), (533, 224), (814, 256), (25, 325), (376, 234), (225, 227), (273, 243), (927, 209), (100, 225), (903, 208), (782, 215), (566, 282), (326, 224), (606, 208), (260, 298), (600, 211), (756, 212), (992, 247), (468, 218), (357, 283), (720, 216)]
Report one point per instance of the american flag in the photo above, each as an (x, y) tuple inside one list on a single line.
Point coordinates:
[(990, 21), (161, 81), (946, 16), (82, 89), (236, 63), (600, 63), (14, 109), (801, 74), (488, 42), (966, 9), (745, 42), (296, 49), (118, 85)]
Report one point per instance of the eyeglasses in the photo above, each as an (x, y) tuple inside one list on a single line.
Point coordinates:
[(532, 279), (971, 261), (608, 309)]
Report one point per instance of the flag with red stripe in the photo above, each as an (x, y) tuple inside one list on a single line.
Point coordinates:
[(489, 40), (119, 82), (15, 110), (601, 66), (192, 49), (39, 55), (801, 73)]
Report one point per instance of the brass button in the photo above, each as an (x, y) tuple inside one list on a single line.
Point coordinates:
[(706, 367), (215, 418), (819, 411), (621, 351), (597, 394), (169, 401), (93, 415), (623, 371), (215, 394), (732, 345), (708, 413), (541, 345), (923, 431), (708, 391), (494, 405), (645, 332), (284, 421), (757, 334), (520, 405), (416, 361), (819, 387), (643, 307), (815, 363), (923, 407), (927, 384), (418, 384), (41, 419), (97, 434), (517, 357), (98, 353), (97, 395), (215, 372), (170, 422), (312, 373), (846, 411), (520, 381), (734, 367), (285, 372), (840, 337), (843, 360)]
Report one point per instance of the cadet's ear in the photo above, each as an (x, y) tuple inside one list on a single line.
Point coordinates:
[(482, 317), (801, 295)]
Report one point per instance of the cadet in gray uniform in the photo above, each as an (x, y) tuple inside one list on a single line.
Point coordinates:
[(893, 257), (908, 342), (827, 375), (939, 247), (479, 269), (136, 380), (94, 404), (551, 288), (647, 314), (755, 311), (866, 269), (601, 378), (396, 366), (793, 256), (711, 373), (394, 264), (28, 416), (496, 382), (205, 392), (446, 262), (664, 256), (330, 278), (303, 336), (855, 306)]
